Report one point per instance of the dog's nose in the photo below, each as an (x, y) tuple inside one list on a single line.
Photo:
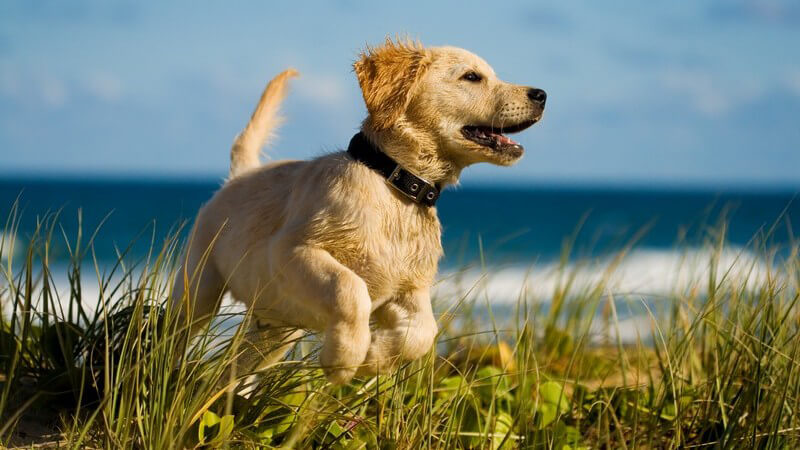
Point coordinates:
[(537, 96)]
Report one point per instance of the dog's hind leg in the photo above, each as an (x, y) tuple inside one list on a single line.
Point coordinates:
[(196, 296), (202, 300), (336, 295), (262, 345), (198, 287), (406, 331)]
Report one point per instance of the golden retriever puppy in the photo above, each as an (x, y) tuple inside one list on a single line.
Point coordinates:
[(336, 242)]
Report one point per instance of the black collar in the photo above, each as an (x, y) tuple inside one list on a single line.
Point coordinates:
[(410, 185)]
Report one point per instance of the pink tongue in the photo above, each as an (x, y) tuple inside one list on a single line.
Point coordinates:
[(504, 140)]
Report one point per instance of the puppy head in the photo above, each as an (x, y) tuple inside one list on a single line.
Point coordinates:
[(449, 97)]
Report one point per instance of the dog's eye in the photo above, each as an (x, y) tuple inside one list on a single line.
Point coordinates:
[(471, 76)]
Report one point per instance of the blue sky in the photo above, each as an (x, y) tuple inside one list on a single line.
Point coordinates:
[(692, 93)]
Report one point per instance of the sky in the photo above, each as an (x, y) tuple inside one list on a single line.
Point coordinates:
[(661, 93)]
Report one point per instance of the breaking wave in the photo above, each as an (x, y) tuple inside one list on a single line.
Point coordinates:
[(649, 273)]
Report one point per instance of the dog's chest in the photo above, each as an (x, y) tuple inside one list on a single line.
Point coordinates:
[(394, 252), (405, 254)]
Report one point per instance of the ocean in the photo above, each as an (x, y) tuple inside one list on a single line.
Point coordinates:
[(503, 224), (508, 239)]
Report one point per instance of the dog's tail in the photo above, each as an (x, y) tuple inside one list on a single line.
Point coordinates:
[(247, 146)]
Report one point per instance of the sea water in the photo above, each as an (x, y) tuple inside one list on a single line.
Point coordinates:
[(501, 243)]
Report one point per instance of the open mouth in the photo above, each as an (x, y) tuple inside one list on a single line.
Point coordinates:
[(493, 137)]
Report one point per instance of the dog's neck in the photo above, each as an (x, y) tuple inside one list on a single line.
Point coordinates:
[(414, 151)]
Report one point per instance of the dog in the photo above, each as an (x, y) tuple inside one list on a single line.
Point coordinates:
[(348, 243)]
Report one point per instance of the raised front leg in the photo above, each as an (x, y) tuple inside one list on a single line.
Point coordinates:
[(406, 331), (336, 294)]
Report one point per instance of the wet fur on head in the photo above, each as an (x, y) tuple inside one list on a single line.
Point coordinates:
[(419, 103), (388, 74)]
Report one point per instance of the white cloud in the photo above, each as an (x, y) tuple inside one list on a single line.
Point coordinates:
[(9, 82), (708, 94), (30, 88), (792, 81), (323, 89), (104, 86), (52, 91)]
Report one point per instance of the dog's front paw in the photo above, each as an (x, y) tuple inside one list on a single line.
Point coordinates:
[(383, 356), (339, 376), (343, 352)]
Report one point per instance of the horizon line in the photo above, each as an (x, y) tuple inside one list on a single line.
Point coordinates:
[(541, 183)]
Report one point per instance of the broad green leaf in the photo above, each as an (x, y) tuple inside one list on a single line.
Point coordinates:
[(266, 435), (214, 429), (356, 444), (545, 414), (450, 385), (502, 427), (489, 382), (553, 393), (334, 429)]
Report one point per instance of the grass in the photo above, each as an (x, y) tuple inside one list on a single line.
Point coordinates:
[(720, 370)]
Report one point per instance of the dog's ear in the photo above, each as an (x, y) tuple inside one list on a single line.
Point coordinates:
[(388, 74)]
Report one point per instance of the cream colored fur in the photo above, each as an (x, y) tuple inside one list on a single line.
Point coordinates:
[(327, 244), (265, 119)]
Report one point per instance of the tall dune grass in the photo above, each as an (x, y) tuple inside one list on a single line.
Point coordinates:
[(717, 369)]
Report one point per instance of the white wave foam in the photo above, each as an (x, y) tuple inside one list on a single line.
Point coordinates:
[(648, 273), (642, 274), (645, 272), (9, 245)]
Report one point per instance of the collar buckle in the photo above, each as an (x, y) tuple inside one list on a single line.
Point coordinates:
[(412, 186)]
